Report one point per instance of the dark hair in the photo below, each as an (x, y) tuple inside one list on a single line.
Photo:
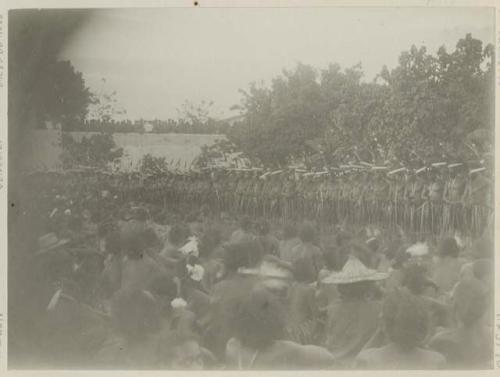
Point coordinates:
[(135, 314), (373, 245), (258, 319), (134, 244), (75, 223), (470, 301), (160, 217), (192, 216), (405, 318), (163, 285), (448, 247), (140, 214), (289, 231), (304, 270), (392, 249), (263, 227), (306, 232), (176, 338), (112, 242), (178, 234), (205, 210), (55, 265), (483, 268), (245, 223), (331, 258), (95, 216), (243, 254), (150, 238), (358, 290), (209, 241), (483, 248), (103, 229), (400, 258), (415, 279)]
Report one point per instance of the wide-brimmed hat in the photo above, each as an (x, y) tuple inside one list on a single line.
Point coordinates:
[(48, 242), (354, 271), (269, 268)]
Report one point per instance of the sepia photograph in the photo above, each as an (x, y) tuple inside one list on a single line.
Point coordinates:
[(251, 188)]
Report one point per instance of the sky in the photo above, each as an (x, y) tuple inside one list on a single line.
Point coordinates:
[(157, 58)]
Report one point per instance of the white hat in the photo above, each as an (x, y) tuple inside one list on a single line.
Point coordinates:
[(354, 271), (191, 247), (418, 249), (267, 269)]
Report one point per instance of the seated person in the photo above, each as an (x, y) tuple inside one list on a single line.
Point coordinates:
[(258, 328), (470, 345), (135, 340), (405, 320)]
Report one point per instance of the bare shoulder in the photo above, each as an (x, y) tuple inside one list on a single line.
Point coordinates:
[(443, 338), (233, 346), (432, 357), (306, 354), (367, 357)]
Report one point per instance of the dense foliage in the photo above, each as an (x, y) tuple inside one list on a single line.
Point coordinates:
[(42, 87), (428, 107), (95, 151), (153, 165)]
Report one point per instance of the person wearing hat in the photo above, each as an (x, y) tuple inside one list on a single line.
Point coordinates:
[(405, 322), (353, 318)]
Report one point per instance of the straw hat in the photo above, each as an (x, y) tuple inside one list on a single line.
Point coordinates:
[(354, 271), (48, 242)]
